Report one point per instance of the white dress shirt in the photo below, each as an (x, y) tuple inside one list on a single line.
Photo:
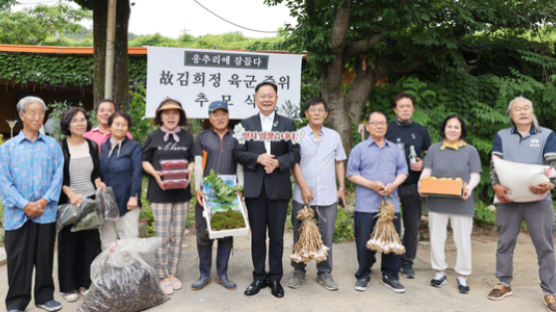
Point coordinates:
[(266, 125)]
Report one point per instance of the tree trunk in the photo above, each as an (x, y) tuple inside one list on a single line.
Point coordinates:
[(100, 11), (332, 86), (120, 87), (121, 73)]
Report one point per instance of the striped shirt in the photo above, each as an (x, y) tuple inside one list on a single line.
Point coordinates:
[(30, 171), (80, 167)]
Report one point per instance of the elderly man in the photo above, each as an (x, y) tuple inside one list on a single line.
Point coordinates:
[(267, 188), (412, 136), (214, 151), (322, 161), (525, 142), (100, 133), (377, 167), (31, 173)]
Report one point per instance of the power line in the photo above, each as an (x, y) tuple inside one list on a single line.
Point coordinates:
[(230, 22)]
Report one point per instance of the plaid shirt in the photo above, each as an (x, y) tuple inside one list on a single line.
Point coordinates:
[(30, 171)]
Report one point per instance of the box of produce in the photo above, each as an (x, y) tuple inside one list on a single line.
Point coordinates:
[(173, 164), (175, 184), (441, 187), (223, 208), (175, 174)]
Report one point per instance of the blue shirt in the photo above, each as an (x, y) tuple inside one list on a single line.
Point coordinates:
[(318, 164), (30, 171), (374, 163)]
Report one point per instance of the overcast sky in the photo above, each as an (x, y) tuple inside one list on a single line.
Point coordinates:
[(172, 18)]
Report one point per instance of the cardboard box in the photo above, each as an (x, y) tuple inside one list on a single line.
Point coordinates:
[(441, 187)]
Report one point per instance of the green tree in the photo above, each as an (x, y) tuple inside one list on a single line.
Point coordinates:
[(380, 40), (41, 24)]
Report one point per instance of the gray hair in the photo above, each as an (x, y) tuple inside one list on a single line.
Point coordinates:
[(523, 99), (24, 102)]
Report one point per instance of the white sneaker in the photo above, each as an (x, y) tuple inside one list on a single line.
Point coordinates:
[(166, 287), (176, 284), (71, 296)]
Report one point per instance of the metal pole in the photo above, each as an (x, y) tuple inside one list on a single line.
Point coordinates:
[(109, 64)]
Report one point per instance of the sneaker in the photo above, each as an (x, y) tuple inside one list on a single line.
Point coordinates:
[(297, 278), (361, 284), (439, 280), (407, 271), (84, 291), (392, 284), (325, 279), (550, 303), (499, 292), (175, 283), (463, 286), (51, 305), (166, 287), (71, 296)]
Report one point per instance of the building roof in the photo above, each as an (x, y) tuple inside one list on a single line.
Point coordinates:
[(21, 48), (60, 50)]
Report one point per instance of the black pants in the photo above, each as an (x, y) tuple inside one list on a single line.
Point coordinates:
[(203, 240), (411, 217), (76, 252), (266, 213), (390, 263), (32, 245)]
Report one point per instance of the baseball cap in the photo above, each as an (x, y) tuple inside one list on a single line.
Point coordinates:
[(218, 105)]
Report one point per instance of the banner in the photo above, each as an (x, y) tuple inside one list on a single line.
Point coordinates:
[(198, 77)]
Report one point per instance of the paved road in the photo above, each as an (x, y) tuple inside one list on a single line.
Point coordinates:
[(419, 296)]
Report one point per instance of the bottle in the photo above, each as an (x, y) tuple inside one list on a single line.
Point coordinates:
[(400, 144), (412, 154)]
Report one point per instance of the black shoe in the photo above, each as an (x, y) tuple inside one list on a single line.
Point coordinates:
[(439, 282), (462, 288), (255, 287), (407, 271), (276, 289)]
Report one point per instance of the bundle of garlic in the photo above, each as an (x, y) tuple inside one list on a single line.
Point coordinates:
[(384, 237), (309, 246)]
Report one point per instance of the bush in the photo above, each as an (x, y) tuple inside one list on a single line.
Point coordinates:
[(344, 226)]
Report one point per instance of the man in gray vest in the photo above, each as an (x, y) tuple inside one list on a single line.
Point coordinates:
[(524, 142)]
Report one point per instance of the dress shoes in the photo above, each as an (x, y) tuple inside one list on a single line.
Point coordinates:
[(276, 289), (254, 287)]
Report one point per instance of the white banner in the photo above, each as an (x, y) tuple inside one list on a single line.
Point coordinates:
[(198, 77)]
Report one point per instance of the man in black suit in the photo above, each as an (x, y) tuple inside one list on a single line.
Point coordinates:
[(267, 187)]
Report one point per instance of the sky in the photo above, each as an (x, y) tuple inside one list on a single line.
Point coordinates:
[(173, 18)]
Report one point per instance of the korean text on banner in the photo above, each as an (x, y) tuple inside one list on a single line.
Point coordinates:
[(198, 77)]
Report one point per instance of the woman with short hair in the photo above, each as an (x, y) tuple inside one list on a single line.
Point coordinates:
[(121, 169), (77, 250), (452, 158)]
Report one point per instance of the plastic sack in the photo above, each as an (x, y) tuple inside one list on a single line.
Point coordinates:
[(88, 222), (122, 281), (67, 214), (107, 205), (86, 207), (518, 177)]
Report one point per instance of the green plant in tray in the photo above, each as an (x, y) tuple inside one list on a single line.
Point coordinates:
[(225, 195)]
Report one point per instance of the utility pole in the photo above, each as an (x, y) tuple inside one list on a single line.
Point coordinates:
[(109, 64)]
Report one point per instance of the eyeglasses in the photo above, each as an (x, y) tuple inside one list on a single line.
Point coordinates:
[(377, 123), (316, 110)]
